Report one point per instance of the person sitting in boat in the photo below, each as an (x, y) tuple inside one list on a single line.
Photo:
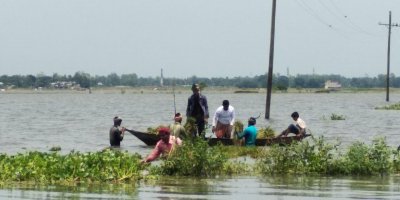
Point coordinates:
[(164, 146), (299, 128), (177, 128), (223, 120), (250, 133), (116, 132)]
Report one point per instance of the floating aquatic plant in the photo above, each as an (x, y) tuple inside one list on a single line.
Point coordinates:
[(103, 166), (389, 107), (337, 117), (193, 158), (55, 148)]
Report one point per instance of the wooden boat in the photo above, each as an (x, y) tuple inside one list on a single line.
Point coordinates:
[(259, 142), (148, 138), (152, 139)]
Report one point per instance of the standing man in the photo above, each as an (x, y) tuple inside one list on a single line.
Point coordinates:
[(299, 128), (223, 120), (197, 108), (116, 132)]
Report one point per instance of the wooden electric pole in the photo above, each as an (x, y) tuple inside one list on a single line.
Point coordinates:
[(271, 61), (388, 52)]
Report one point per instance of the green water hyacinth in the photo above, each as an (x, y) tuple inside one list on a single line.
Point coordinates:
[(337, 117), (106, 166), (322, 158), (194, 158)]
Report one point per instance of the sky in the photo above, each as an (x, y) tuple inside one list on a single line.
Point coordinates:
[(203, 38)]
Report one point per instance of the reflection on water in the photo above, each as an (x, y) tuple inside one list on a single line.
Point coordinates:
[(276, 187), (74, 191)]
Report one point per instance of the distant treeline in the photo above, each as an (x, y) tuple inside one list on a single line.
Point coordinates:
[(279, 82)]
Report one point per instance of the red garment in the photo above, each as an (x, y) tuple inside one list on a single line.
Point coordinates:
[(223, 130), (163, 148)]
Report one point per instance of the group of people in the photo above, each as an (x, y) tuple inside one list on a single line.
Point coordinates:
[(197, 108)]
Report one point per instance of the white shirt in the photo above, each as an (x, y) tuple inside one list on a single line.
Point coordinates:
[(301, 123), (224, 116)]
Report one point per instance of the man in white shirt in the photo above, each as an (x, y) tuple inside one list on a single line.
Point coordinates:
[(223, 120), (299, 128)]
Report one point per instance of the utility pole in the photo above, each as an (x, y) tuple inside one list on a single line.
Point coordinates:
[(271, 61), (388, 52), (162, 78), (288, 77)]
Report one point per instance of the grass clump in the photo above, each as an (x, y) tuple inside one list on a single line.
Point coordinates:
[(337, 117), (326, 159), (389, 107), (299, 158), (193, 158)]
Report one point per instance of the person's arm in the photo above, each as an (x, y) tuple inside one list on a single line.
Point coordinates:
[(233, 117), (206, 114), (242, 134), (215, 118), (301, 131), (154, 154), (189, 104), (182, 132), (302, 127), (122, 133)]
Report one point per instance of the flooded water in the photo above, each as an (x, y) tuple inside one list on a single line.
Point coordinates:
[(279, 188), (81, 122)]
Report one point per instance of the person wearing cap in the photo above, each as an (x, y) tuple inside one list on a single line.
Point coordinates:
[(177, 128), (223, 120), (197, 108), (164, 146), (116, 132), (299, 128), (250, 133)]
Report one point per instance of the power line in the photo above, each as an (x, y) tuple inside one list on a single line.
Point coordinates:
[(311, 12), (315, 14), (350, 22)]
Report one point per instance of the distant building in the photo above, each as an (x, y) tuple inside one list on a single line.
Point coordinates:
[(332, 85), (62, 84)]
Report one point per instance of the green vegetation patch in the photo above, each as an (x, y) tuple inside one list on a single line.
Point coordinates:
[(193, 158), (318, 157), (312, 156), (74, 167), (337, 117), (389, 107)]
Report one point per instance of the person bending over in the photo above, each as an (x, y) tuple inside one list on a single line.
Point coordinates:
[(223, 120), (164, 146)]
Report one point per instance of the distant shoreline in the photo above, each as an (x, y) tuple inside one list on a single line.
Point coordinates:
[(178, 90)]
